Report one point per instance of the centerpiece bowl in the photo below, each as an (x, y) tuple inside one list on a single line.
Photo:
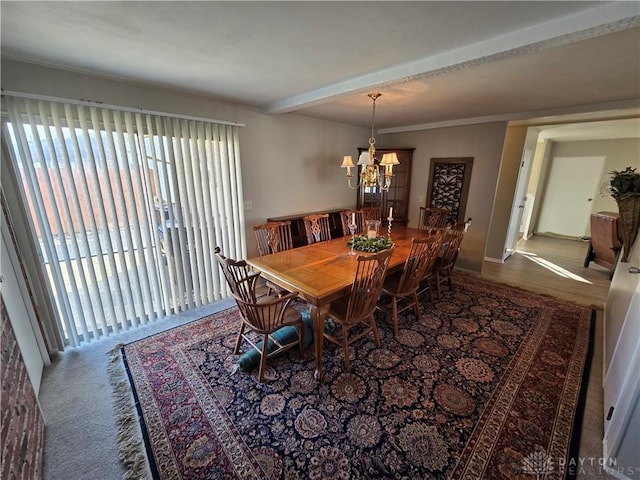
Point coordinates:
[(362, 243)]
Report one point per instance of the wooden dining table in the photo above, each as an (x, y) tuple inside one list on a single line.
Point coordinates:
[(323, 272)]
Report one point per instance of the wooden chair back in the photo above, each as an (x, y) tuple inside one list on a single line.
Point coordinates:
[(451, 245), (240, 278), (422, 257), (367, 284), (433, 218), (370, 213), (346, 216), (317, 228), (273, 237), (265, 316)]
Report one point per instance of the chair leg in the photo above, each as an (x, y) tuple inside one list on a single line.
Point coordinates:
[(416, 305), (438, 280), (376, 335), (263, 358), (236, 350), (345, 347), (394, 315), (433, 292), (449, 281), (300, 337)]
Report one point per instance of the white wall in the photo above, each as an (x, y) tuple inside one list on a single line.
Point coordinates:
[(618, 153), (482, 142)]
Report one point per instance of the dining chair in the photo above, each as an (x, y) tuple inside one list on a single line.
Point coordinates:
[(433, 218), (317, 227), (260, 314), (355, 310), (239, 276), (273, 237), (402, 286), (347, 216), (241, 280), (443, 268), (370, 213), (427, 284), (261, 319)]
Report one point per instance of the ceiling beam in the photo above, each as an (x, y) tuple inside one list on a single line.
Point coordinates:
[(609, 18)]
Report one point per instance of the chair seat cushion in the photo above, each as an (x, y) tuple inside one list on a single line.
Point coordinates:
[(284, 336)]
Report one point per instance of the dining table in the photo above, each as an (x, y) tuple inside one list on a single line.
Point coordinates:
[(323, 272)]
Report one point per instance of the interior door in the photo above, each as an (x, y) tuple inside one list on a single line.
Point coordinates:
[(517, 208), (568, 201)]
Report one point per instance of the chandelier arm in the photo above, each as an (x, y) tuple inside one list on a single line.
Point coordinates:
[(352, 187), (387, 184)]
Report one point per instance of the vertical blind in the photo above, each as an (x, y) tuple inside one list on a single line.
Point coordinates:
[(127, 208)]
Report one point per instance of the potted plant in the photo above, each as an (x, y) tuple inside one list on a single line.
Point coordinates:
[(624, 187)]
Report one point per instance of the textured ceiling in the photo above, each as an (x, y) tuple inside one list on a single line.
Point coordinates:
[(436, 63)]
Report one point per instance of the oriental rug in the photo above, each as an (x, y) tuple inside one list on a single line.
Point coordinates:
[(486, 384)]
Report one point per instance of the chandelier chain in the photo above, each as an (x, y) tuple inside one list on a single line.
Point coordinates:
[(372, 139)]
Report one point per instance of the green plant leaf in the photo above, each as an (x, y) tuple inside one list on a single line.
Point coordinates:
[(362, 243), (624, 183)]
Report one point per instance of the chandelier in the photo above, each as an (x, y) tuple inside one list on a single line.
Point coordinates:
[(370, 174)]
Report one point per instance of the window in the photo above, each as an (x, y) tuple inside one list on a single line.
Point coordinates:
[(126, 208)]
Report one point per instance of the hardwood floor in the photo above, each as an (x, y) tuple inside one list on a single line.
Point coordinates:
[(555, 267)]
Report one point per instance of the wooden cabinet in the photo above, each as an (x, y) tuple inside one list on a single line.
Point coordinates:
[(398, 194)]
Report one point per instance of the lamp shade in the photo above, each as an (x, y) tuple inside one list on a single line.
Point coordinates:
[(347, 161), (364, 159), (390, 159)]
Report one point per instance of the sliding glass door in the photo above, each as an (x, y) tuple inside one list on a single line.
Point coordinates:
[(126, 209)]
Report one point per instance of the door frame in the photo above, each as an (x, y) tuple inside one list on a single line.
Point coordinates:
[(519, 200)]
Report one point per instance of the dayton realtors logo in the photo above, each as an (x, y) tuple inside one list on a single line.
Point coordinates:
[(538, 464)]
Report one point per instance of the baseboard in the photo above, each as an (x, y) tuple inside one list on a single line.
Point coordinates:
[(473, 273), (493, 260)]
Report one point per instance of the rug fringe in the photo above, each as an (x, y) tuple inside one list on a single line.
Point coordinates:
[(130, 443)]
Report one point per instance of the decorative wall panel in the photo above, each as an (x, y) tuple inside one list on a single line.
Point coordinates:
[(448, 185)]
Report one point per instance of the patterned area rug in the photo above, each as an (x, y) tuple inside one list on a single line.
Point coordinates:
[(486, 384)]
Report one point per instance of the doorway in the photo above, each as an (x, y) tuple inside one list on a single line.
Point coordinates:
[(568, 200)]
